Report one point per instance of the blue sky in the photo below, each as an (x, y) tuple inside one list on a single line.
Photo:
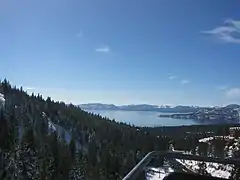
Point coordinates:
[(123, 52)]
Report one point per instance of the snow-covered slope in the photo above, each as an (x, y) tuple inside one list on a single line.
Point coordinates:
[(60, 131), (214, 169)]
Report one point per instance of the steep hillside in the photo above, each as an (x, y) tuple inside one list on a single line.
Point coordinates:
[(109, 149)]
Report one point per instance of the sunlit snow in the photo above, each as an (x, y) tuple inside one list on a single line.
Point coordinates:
[(215, 169), (157, 173), (2, 99), (51, 126)]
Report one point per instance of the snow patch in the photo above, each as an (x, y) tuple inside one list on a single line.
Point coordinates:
[(2, 99), (157, 173), (206, 139), (216, 137), (44, 114), (51, 126)]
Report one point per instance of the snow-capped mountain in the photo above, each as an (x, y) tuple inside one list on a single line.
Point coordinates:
[(98, 106), (140, 107)]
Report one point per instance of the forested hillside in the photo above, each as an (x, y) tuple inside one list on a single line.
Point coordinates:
[(43, 139), (30, 149)]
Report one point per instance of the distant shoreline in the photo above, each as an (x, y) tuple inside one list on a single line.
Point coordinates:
[(192, 116), (177, 115), (159, 111)]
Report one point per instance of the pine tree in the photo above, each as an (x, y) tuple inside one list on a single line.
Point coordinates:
[(72, 146), (202, 168), (79, 169), (4, 132), (46, 163), (235, 174)]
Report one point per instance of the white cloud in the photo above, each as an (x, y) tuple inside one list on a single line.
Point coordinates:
[(233, 93), (103, 49), (234, 23), (229, 32), (172, 77), (80, 34), (185, 81)]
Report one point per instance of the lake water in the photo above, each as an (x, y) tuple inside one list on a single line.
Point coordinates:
[(145, 118)]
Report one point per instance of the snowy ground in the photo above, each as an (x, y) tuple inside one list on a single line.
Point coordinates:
[(215, 169), (157, 173)]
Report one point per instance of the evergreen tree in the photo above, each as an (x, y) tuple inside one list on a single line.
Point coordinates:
[(79, 169), (235, 174), (72, 146), (202, 168)]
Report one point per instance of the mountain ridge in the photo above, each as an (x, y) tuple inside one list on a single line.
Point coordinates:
[(149, 107), (139, 107)]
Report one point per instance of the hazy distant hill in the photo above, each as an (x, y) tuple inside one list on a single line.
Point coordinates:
[(232, 106), (140, 107)]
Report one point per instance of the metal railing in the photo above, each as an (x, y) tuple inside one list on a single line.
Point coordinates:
[(135, 172)]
